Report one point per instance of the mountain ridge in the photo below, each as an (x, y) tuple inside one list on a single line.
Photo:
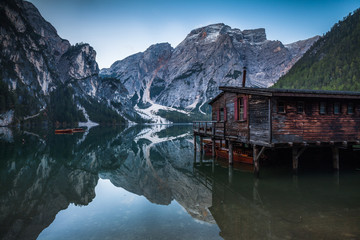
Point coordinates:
[(208, 57)]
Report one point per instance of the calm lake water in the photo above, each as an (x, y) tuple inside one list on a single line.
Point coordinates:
[(145, 182)]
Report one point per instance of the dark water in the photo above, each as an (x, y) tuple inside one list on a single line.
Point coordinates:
[(142, 183)]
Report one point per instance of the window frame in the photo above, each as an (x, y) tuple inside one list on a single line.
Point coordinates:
[(352, 107), (322, 105), (279, 107), (241, 108), (337, 108), (221, 114), (300, 105)]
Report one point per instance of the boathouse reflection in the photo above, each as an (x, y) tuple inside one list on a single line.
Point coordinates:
[(280, 206)]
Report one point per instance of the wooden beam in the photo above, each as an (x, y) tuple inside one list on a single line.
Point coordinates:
[(201, 145)]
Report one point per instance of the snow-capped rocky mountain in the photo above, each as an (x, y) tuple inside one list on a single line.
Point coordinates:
[(47, 78), (188, 76)]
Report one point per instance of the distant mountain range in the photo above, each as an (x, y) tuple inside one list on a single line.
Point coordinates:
[(332, 63), (43, 78), (187, 77)]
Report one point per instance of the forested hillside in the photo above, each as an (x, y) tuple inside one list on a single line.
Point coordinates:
[(332, 63)]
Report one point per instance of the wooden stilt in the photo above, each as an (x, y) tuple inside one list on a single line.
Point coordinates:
[(296, 152), (231, 155), (256, 161), (201, 145), (213, 147), (194, 158), (256, 157), (295, 159), (221, 143), (213, 166), (335, 151), (194, 143), (231, 173)]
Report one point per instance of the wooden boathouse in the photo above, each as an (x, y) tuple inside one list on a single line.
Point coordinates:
[(260, 119)]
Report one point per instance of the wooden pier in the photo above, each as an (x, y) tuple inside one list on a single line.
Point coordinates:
[(260, 119)]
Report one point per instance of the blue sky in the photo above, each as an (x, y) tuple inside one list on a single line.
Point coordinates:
[(117, 28)]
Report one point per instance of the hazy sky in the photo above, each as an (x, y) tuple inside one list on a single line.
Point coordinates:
[(117, 28)]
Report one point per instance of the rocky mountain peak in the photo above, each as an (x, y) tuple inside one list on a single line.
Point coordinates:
[(187, 77)]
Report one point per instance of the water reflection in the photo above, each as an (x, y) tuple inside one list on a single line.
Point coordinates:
[(281, 206), (42, 174)]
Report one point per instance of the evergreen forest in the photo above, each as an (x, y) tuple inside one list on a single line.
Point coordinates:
[(332, 63)]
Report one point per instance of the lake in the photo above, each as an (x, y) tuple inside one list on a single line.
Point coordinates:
[(145, 182)]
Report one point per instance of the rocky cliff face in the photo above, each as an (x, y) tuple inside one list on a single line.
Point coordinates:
[(188, 76), (35, 63)]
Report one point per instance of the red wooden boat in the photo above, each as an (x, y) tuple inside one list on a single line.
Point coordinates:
[(238, 155), (69, 130), (78, 130), (64, 131)]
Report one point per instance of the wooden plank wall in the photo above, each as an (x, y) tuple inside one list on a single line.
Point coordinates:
[(234, 128), (311, 126), (259, 119)]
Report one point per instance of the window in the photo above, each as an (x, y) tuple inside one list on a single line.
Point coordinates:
[(322, 107), (300, 107), (281, 107), (241, 108), (221, 114), (336, 108), (308, 109), (350, 108)]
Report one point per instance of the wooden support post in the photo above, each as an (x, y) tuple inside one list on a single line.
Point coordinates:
[(213, 148), (296, 153), (213, 166), (256, 157), (221, 144), (231, 153), (335, 151), (256, 160), (295, 159), (231, 174), (194, 143), (201, 145), (194, 158)]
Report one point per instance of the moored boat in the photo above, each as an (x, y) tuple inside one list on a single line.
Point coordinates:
[(78, 130), (64, 131), (238, 155)]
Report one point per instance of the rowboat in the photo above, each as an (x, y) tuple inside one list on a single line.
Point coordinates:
[(69, 130), (78, 130), (64, 131), (238, 155)]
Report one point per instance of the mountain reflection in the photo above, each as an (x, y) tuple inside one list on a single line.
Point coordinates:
[(42, 174)]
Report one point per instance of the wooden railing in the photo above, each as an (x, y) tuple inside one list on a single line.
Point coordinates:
[(211, 128)]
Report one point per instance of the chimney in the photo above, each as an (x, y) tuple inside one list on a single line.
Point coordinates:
[(244, 77)]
